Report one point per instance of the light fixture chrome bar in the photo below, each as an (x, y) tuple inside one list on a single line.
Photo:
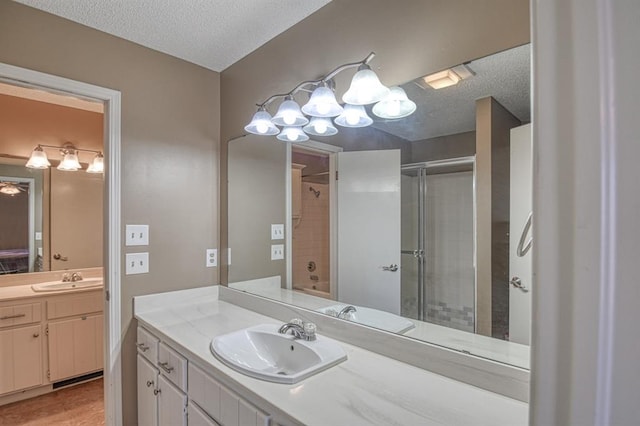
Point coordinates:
[(324, 79), (69, 146)]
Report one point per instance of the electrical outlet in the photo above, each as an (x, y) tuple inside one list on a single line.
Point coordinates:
[(137, 235), (212, 258), (277, 251), (137, 263), (277, 232)]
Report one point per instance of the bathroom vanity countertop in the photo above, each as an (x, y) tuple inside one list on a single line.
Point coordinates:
[(487, 347), (25, 291), (366, 389)]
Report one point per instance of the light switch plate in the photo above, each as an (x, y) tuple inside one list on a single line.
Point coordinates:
[(277, 231), (277, 251), (137, 235), (137, 263), (212, 258)]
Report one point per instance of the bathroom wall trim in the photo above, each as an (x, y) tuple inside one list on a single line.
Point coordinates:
[(112, 226)]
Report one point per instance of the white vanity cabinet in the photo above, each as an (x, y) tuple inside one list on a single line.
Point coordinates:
[(20, 347), (173, 391), (75, 335), (162, 382)]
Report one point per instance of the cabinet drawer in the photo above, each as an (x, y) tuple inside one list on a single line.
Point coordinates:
[(173, 366), (20, 314), (147, 345), (68, 306), (205, 391)]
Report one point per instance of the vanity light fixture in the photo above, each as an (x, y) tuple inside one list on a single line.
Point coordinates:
[(354, 116), (322, 106), (261, 124), (322, 103), (69, 162), (395, 105), (365, 88), (448, 77), (320, 126), (289, 114), (292, 134)]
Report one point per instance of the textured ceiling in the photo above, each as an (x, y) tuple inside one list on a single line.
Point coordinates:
[(211, 33), (506, 76)]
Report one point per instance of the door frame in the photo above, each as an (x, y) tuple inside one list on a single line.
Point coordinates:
[(331, 151), (111, 226), (32, 214)]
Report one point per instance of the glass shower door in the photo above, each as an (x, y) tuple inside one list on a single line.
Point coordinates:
[(411, 242)]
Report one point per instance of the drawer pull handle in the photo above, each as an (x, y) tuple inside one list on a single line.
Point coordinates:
[(36, 334), (156, 391), (13, 316), (142, 347), (165, 367), (149, 383)]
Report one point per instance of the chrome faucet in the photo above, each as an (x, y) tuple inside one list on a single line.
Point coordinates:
[(347, 309), (299, 329), (66, 277)]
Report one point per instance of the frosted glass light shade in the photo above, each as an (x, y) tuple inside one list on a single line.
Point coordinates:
[(9, 189), (261, 124), (293, 134), (320, 126), (353, 116), (322, 103), (69, 162), (289, 114), (395, 105), (365, 88), (38, 159), (97, 165)]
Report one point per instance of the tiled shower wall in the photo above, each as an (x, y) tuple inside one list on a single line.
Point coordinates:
[(311, 239)]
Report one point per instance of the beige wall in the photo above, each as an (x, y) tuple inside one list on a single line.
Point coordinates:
[(410, 41), (170, 134), (443, 147)]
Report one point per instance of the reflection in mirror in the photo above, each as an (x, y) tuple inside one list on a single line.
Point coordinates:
[(412, 218), (55, 221)]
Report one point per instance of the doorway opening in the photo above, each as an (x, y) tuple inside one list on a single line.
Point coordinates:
[(111, 229)]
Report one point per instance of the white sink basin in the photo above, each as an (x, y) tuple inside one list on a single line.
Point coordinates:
[(265, 354), (372, 317), (67, 285)]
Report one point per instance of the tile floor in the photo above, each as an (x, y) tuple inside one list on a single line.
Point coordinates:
[(80, 405)]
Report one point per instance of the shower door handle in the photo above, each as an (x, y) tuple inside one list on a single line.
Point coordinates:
[(523, 247), (391, 268)]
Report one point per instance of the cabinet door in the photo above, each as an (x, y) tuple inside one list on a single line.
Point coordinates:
[(197, 417), (21, 358), (172, 404), (72, 347), (147, 400)]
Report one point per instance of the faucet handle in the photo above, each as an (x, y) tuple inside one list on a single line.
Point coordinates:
[(310, 329), (296, 321)]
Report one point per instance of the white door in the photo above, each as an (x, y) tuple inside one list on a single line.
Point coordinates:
[(369, 229), (172, 404), (147, 399), (520, 208)]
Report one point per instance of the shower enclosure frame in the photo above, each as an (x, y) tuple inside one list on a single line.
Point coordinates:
[(419, 253)]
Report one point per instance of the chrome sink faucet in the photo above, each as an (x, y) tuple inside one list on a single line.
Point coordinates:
[(73, 277), (299, 329), (347, 309)]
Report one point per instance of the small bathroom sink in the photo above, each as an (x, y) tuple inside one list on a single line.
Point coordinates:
[(372, 317), (265, 354), (67, 285)]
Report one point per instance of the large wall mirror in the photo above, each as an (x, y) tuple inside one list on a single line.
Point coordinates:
[(50, 219), (421, 223)]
